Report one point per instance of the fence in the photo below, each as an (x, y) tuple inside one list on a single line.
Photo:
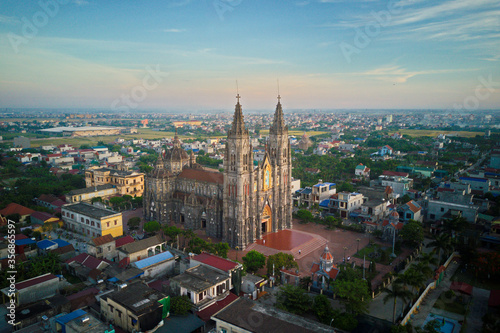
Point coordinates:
[(430, 286)]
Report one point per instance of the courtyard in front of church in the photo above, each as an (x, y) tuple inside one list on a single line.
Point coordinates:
[(306, 242)]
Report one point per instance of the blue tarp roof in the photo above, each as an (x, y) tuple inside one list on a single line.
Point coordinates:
[(43, 244), (306, 191), (70, 316), (113, 279), (25, 241), (60, 242), (324, 203), (153, 260), (473, 179)]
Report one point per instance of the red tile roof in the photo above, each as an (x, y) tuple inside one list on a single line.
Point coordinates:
[(47, 198), (202, 175), (35, 281), (333, 273), (103, 240), (14, 208), (289, 272), (413, 207), (214, 261), (123, 241), (21, 236), (86, 260), (42, 216), (208, 312), (315, 268), (444, 189), (395, 173)]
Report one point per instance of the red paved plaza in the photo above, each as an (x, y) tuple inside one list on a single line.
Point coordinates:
[(284, 240)]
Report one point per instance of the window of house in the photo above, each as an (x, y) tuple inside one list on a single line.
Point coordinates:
[(63, 213), (432, 216), (88, 232), (119, 313), (72, 216), (98, 225), (107, 224), (92, 223), (116, 222), (82, 219), (442, 209), (111, 308), (408, 215)]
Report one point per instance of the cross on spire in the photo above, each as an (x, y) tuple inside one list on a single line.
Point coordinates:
[(279, 98), (238, 98)]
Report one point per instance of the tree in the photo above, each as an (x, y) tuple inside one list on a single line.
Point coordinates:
[(254, 261), (305, 215), (345, 187), (151, 226), (133, 223), (413, 233), (354, 294), (397, 291), (440, 243), (293, 299), (280, 260), (411, 278), (180, 305), (322, 308)]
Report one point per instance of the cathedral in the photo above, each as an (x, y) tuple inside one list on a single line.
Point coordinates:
[(238, 205)]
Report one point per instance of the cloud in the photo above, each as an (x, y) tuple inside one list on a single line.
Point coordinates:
[(9, 20), (80, 2), (174, 30), (397, 74)]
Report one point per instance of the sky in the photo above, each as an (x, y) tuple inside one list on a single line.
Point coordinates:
[(190, 55)]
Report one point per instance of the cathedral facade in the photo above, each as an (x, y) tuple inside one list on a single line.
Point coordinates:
[(238, 205)]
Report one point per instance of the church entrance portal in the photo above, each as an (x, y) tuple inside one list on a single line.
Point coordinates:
[(266, 224)]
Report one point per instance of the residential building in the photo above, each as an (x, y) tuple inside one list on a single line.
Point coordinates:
[(385, 150), (33, 289), (158, 265), (203, 285), (477, 184), (438, 210), (343, 203), (373, 210), (126, 182), (398, 181), (14, 208), (231, 268), (271, 319), (253, 285), (79, 321), (134, 307), (87, 194), (362, 171), (410, 211), (102, 247), (141, 249), (92, 221)]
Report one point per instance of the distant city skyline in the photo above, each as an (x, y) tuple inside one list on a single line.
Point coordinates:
[(187, 55)]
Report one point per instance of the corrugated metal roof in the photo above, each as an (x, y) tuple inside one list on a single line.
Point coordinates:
[(25, 241), (44, 244), (153, 260), (70, 316)]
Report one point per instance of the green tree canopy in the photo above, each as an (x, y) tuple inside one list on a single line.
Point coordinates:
[(322, 308), (280, 260), (293, 299), (354, 294), (180, 305), (253, 261), (133, 223), (412, 233), (305, 215), (151, 226)]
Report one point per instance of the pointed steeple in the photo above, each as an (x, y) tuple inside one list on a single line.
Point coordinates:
[(176, 142), (238, 126), (278, 126)]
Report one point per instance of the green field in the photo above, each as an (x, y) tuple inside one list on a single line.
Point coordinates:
[(433, 133), (298, 133), (143, 133)]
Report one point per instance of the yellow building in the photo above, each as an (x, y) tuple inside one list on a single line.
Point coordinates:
[(88, 193), (92, 221), (126, 182)]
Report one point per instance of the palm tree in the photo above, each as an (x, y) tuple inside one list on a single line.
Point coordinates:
[(422, 267), (428, 259), (397, 291), (440, 242)]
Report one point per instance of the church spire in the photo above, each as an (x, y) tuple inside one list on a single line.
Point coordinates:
[(176, 142), (238, 126), (278, 125)]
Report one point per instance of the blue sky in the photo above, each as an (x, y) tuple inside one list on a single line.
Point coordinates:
[(327, 54)]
